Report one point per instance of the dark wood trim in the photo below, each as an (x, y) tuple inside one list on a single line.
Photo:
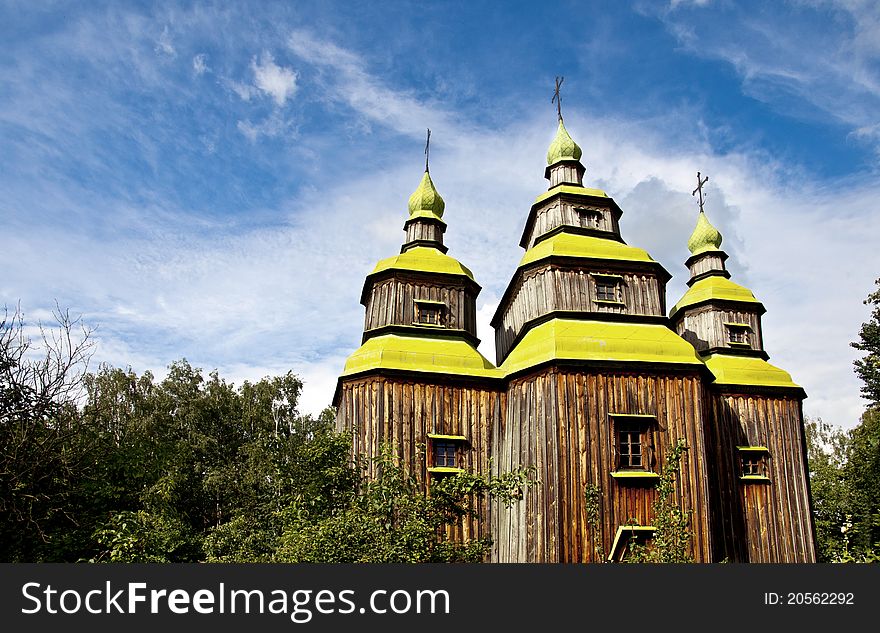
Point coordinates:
[(708, 273), (721, 304), (719, 253), (429, 243), (416, 330), (759, 390), (732, 351), (578, 230)]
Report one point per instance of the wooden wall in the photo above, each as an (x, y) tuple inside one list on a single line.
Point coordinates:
[(554, 287), (567, 173), (430, 231), (392, 302), (760, 522), (558, 422), (704, 327), (562, 212), (402, 412), (706, 263)]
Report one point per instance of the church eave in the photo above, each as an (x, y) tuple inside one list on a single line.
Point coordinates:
[(420, 330), (428, 277)]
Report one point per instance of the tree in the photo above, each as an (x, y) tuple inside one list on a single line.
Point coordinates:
[(868, 368), (42, 446), (828, 450)]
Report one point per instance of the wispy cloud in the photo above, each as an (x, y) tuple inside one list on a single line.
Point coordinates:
[(349, 81), (787, 57), (200, 64), (276, 81), (164, 45)]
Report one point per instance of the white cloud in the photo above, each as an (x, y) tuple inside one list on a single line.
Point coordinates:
[(164, 45), (200, 64), (272, 126), (276, 81), (350, 82)]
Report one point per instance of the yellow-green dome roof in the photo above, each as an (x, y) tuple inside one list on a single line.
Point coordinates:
[(705, 236), (747, 370), (572, 339), (714, 287), (424, 259), (420, 353), (425, 199), (576, 245), (562, 147)]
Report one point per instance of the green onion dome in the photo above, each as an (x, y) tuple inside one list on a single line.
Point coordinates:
[(705, 237), (425, 199), (563, 147)]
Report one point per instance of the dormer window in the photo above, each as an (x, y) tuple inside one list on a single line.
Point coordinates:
[(430, 313), (738, 334), (607, 288), (589, 218)]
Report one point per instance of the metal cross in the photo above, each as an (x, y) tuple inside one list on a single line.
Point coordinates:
[(699, 188), (557, 99), (427, 148)]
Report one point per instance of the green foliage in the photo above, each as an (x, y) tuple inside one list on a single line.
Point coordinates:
[(117, 467), (592, 506), (672, 537), (393, 520), (845, 485), (868, 368)]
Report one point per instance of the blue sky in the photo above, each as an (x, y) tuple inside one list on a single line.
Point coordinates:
[(213, 182)]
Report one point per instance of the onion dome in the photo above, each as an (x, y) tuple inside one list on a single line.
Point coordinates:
[(563, 147), (705, 237), (425, 200)]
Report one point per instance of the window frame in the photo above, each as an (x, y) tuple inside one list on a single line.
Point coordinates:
[(425, 305), (758, 460), (627, 425), (743, 330), (457, 442), (602, 282)]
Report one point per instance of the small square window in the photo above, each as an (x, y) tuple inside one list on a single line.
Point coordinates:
[(738, 334), (753, 463), (444, 454), (633, 437), (430, 313), (590, 218), (606, 290)]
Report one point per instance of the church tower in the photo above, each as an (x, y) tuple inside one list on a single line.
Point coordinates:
[(599, 387), (417, 383), (757, 454)]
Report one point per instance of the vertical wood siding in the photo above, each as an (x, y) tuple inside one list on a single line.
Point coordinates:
[(757, 522), (558, 421), (554, 287), (392, 302)]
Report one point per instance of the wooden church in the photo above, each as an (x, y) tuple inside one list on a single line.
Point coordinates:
[(594, 381)]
